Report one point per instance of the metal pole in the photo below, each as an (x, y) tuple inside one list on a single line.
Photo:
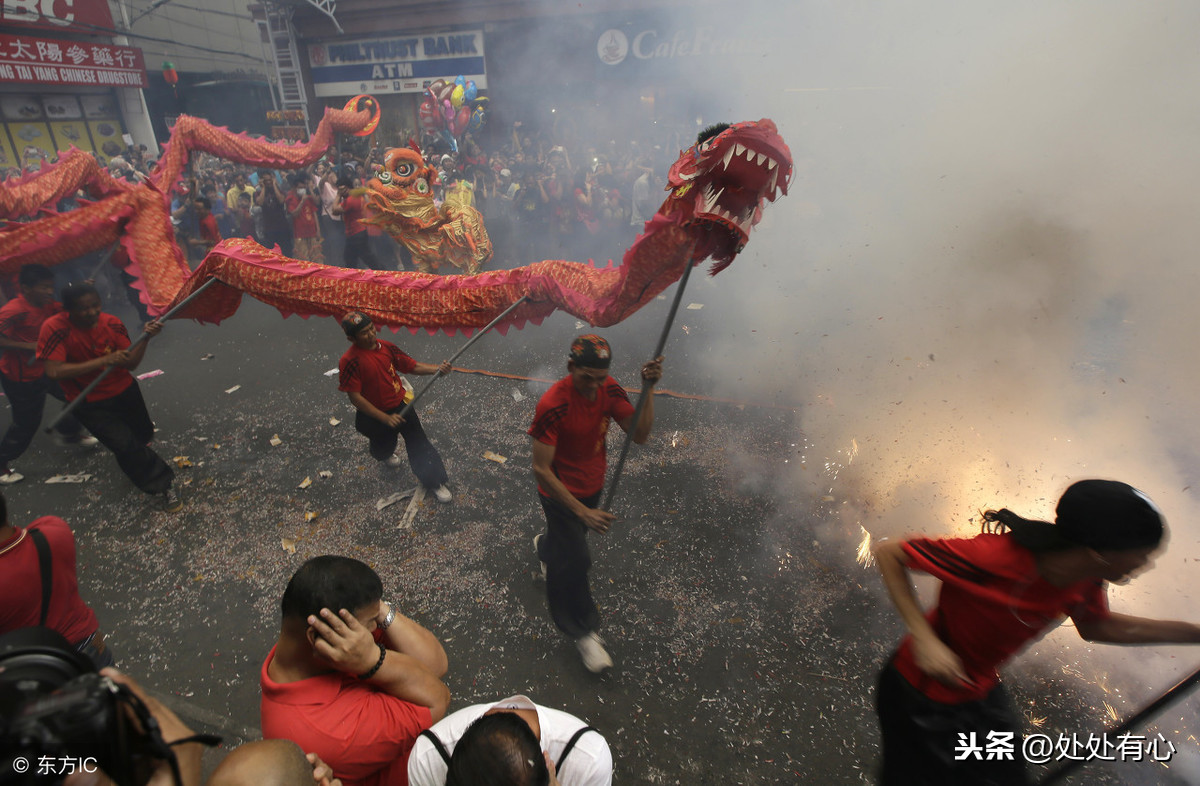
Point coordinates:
[(642, 396), (425, 389), (1150, 710), (103, 261), (142, 338)]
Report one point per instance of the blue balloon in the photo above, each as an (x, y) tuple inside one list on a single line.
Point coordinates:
[(478, 117), (460, 80), (450, 140), (470, 92)]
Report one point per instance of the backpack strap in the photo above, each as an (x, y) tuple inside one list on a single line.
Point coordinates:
[(43, 550), (571, 744), (437, 744)]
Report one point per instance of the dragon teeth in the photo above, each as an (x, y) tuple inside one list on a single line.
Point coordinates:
[(729, 155), (772, 163), (760, 159)]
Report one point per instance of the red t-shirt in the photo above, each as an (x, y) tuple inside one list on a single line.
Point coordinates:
[(60, 340), (375, 373), (352, 215), (364, 734), (21, 583), (991, 604), (576, 428), (209, 232), (305, 222), (20, 321)]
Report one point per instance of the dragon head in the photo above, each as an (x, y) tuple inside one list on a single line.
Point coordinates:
[(402, 191), (722, 182)]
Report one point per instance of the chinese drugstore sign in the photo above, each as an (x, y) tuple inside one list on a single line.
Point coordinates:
[(396, 65), (47, 62)]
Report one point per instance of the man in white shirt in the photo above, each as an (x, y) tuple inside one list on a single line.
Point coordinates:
[(579, 753)]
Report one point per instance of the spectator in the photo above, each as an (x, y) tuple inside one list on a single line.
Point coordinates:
[(240, 186), (210, 235), (302, 206), (276, 228), (477, 739), (243, 217), (349, 208), (23, 376), (268, 763), (643, 206), (39, 585), (349, 678)]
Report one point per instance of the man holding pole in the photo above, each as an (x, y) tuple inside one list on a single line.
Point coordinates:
[(370, 373), (569, 462), (80, 344)]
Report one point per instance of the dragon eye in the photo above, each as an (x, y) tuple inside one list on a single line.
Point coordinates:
[(404, 169), (385, 177)]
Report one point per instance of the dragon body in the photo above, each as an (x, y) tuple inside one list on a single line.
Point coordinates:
[(716, 192)]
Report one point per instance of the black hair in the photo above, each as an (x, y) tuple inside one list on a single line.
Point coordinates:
[(711, 132), (32, 275), (243, 195), (333, 583), (345, 180), (206, 202), (3, 509), (73, 293), (498, 750), (998, 522)]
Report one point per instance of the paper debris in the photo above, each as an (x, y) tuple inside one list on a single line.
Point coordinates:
[(82, 478), (289, 545), (661, 297), (324, 474), (518, 395), (215, 446), (579, 325), (394, 498), (496, 457), (305, 483), (312, 515), (207, 356), (202, 439), (331, 372), (234, 389), (276, 441), (158, 372), (411, 512), (334, 421), (182, 461)]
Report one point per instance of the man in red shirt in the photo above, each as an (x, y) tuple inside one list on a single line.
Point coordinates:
[(351, 209), (22, 585), (210, 234), (76, 345), (569, 462), (350, 678), (370, 373), (302, 205), (941, 693), (22, 374)]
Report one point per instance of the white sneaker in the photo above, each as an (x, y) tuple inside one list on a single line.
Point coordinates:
[(9, 477), (394, 461), (443, 494), (82, 439), (537, 539), (595, 658)]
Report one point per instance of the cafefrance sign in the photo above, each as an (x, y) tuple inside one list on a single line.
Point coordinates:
[(404, 64)]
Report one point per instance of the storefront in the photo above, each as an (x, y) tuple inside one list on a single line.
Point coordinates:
[(58, 92)]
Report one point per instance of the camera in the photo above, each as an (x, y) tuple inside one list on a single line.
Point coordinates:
[(55, 708)]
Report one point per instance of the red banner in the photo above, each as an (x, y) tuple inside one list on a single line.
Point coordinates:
[(45, 61), (77, 16)]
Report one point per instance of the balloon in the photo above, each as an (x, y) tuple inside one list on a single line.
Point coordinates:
[(456, 98), (430, 117), (170, 75), (450, 140), (448, 111), (444, 93), (462, 120), (471, 91), (478, 116), (460, 80)]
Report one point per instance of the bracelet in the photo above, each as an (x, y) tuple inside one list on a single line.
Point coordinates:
[(389, 619), (382, 654)]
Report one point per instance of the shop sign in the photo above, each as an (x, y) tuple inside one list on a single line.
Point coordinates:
[(396, 65), (82, 16), (615, 46), (43, 61)]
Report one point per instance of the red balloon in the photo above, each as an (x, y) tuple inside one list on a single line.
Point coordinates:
[(431, 119), (462, 120)]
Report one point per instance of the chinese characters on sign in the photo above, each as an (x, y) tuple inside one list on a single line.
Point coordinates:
[(47, 62)]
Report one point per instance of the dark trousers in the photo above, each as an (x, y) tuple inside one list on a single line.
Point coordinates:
[(358, 248), (920, 737), (278, 237), (564, 549), (423, 457), (123, 425), (28, 400)]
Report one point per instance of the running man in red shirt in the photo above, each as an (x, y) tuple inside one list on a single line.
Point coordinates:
[(569, 462), (351, 209), (22, 375), (371, 374), (1000, 591), (76, 345)]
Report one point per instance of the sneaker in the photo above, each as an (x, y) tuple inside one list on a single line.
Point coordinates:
[(9, 477), (394, 461), (595, 658), (172, 503), (537, 539), (82, 439), (443, 494)]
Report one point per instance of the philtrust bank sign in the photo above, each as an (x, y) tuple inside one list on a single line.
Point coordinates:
[(402, 64)]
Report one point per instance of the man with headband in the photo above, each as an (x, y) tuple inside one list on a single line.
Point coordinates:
[(1001, 590), (569, 462), (372, 373)]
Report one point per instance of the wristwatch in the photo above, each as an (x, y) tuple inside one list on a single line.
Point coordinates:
[(389, 619)]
